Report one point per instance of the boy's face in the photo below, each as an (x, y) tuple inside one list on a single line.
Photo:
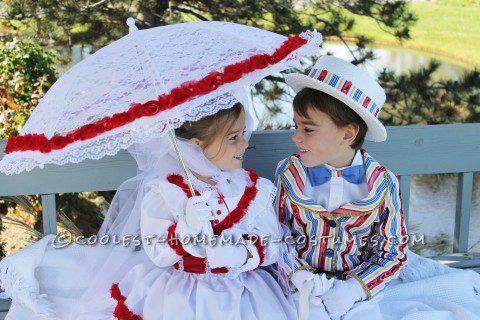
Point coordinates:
[(320, 141)]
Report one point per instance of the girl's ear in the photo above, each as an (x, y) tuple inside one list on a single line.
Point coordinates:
[(196, 141), (351, 132)]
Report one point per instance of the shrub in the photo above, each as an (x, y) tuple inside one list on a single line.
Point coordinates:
[(26, 73)]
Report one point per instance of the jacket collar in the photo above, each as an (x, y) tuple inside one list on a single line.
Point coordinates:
[(294, 176)]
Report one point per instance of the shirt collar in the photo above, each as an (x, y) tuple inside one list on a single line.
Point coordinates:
[(357, 160), (294, 177)]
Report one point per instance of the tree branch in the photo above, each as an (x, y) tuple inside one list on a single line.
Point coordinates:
[(196, 14), (88, 6)]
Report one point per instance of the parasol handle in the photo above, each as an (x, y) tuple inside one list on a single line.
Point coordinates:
[(304, 301), (180, 158)]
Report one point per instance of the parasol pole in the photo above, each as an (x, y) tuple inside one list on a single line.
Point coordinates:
[(304, 301), (133, 31), (180, 158)]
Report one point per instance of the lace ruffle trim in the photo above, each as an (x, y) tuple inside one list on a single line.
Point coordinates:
[(137, 125), (24, 293)]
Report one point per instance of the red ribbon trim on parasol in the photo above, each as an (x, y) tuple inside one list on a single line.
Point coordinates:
[(179, 95)]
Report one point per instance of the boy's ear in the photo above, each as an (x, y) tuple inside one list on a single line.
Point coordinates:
[(350, 133)]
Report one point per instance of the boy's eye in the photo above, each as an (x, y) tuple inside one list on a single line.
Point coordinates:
[(307, 130)]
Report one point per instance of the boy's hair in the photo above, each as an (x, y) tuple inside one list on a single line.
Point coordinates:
[(338, 111), (206, 129)]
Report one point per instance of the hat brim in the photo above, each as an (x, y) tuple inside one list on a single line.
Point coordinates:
[(376, 131)]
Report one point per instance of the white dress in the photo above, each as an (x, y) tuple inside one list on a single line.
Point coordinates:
[(182, 287), (45, 283)]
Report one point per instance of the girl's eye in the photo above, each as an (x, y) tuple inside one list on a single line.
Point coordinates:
[(233, 138)]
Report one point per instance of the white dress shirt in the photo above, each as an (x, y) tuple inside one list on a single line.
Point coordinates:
[(338, 191)]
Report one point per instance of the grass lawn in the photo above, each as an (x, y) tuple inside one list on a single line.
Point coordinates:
[(445, 28)]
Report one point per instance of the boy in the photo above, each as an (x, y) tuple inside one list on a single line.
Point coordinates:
[(342, 207)]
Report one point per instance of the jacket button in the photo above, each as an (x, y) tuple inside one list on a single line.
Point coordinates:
[(329, 252), (332, 223)]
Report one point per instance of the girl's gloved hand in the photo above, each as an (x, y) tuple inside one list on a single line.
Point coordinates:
[(197, 212), (196, 219), (228, 255)]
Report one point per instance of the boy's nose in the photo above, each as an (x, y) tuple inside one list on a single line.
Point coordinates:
[(296, 136)]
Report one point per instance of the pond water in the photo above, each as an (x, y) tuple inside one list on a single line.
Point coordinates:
[(400, 61), (432, 213)]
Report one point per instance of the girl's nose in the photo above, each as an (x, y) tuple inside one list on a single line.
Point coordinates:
[(244, 143)]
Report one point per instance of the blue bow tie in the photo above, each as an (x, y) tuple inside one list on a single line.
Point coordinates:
[(321, 174)]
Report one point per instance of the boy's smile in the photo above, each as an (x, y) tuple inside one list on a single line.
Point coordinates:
[(320, 141)]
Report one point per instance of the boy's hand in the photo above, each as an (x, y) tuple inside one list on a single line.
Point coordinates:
[(321, 283), (342, 296)]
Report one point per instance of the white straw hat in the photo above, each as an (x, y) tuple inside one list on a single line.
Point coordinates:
[(349, 84)]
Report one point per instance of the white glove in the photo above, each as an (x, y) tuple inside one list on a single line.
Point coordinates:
[(342, 296), (197, 212), (229, 255), (321, 283), (196, 219)]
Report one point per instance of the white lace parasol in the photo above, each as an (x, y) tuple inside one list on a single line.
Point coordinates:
[(128, 91)]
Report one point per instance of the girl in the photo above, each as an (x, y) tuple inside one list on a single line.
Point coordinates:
[(146, 267), (206, 280)]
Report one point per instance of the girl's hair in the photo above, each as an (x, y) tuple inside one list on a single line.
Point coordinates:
[(339, 112), (206, 129)]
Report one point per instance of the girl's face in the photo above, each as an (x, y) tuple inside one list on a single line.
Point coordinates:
[(226, 151)]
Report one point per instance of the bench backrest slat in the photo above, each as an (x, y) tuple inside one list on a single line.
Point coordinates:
[(408, 150)]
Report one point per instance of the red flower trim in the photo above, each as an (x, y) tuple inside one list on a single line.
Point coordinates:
[(235, 215), (186, 91), (116, 294), (239, 212), (258, 244), (177, 180), (121, 312), (174, 242)]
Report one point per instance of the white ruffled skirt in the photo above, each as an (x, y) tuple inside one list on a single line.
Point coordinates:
[(167, 293)]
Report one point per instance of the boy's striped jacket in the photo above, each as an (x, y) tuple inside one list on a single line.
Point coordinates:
[(366, 239)]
